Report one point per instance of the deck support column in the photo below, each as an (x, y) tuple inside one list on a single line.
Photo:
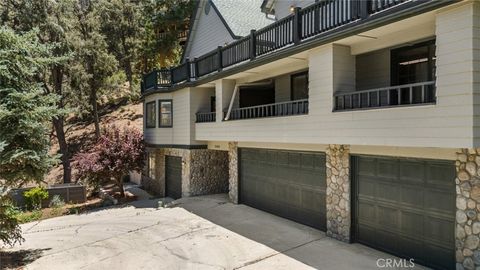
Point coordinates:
[(233, 172), (338, 192)]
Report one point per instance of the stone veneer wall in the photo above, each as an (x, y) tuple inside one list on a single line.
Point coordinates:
[(233, 171), (208, 172), (204, 171), (467, 229), (338, 192)]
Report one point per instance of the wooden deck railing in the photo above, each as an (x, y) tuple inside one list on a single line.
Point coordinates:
[(303, 24), (399, 95), (205, 117), (295, 107)]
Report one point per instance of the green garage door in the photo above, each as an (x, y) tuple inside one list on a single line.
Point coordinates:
[(173, 177), (406, 207), (285, 183)]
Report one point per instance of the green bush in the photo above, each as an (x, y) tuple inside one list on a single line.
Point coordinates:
[(56, 202), (34, 197), (10, 232)]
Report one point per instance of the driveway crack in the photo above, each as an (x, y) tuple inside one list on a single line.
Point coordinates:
[(275, 254)]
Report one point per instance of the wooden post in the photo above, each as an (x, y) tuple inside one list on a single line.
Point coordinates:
[(219, 57), (365, 8), (253, 44), (188, 69), (297, 25), (195, 67), (155, 73)]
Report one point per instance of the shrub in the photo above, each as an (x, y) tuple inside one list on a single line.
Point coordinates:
[(10, 232), (34, 197), (114, 155), (56, 202)]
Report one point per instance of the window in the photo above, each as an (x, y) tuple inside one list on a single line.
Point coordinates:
[(150, 115), (299, 86), (413, 64), (165, 112)]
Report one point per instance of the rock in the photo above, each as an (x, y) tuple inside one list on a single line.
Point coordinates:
[(471, 168), (475, 193), (468, 230), (463, 175), (458, 266), (472, 242), (462, 157), (471, 204), (468, 264), (471, 214), (476, 257), (466, 186), (461, 203), (476, 228), (460, 232), (467, 252), (459, 256), (461, 217)]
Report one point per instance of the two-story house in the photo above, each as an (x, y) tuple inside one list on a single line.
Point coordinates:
[(359, 118)]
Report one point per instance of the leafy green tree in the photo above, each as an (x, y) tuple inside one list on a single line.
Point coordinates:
[(121, 25), (95, 63), (163, 20), (25, 115)]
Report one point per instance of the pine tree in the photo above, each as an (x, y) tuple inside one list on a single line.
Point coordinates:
[(25, 116)]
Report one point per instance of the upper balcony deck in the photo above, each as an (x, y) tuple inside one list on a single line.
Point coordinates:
[(305, 28)]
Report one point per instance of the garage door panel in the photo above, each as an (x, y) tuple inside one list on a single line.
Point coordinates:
[(440, 201), (387, 170), (440, 230), (410, 196), (412, 172), (413, 223), (387, 192), (406, 207), (288, 184)]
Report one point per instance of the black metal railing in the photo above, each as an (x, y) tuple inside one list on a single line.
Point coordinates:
[(206, 117), (303, 24), (207, 63), (295, 107), (236, 52), (399, 95)]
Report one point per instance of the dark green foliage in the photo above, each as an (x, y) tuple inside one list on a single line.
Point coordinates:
[(25, 109), (10, 232)]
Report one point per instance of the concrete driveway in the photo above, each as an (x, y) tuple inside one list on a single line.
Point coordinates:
[(198, 233)]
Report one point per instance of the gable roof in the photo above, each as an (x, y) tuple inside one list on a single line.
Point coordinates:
[(241, 16), (238, 16)]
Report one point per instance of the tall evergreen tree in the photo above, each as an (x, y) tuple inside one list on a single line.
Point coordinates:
[(95, 62), (25, 109), (120, 24), (53, 20)]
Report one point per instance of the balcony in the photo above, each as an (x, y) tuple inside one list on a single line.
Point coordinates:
[(205, 117), (289, 108), (393, 96), (320, 21)]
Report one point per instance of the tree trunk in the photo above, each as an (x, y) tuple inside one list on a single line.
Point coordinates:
[(129, 73), (120, 186), (93, 103), (58, 123)]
